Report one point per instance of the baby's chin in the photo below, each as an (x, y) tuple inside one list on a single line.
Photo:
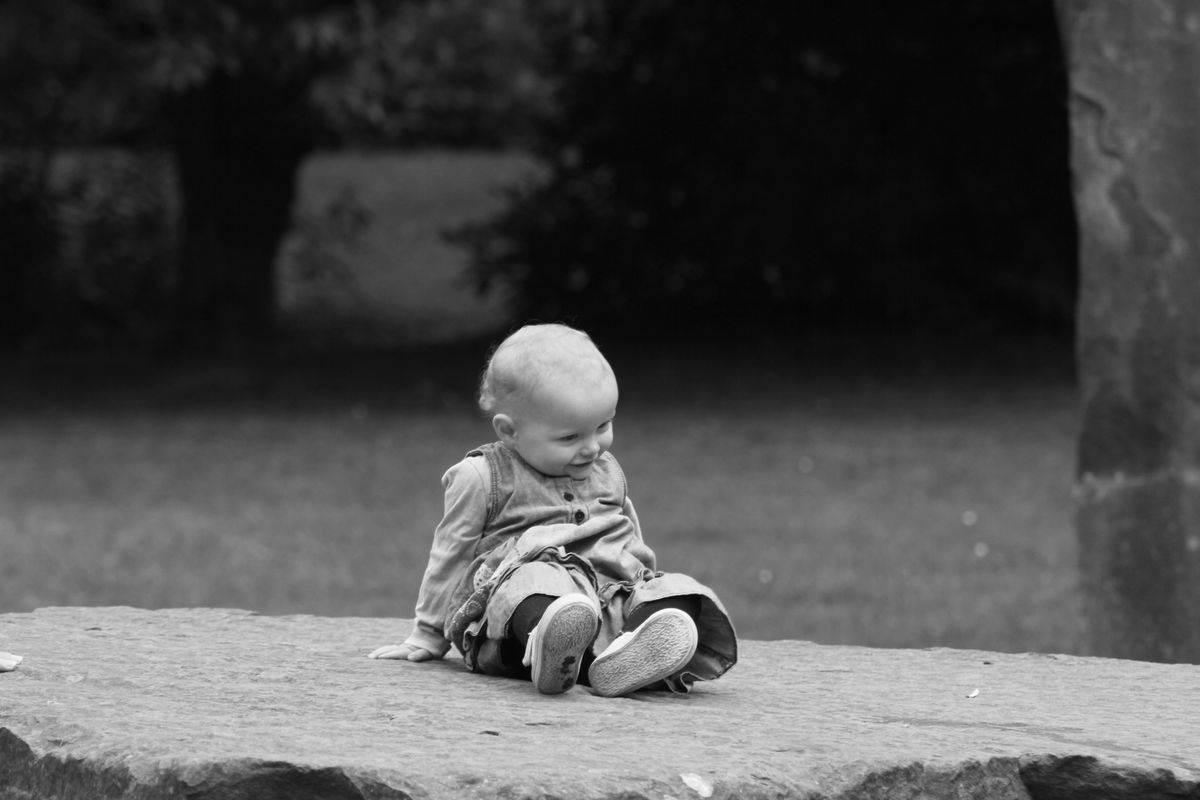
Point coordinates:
[(581, 472)]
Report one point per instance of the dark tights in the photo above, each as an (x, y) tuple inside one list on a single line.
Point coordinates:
[(528, 613), (688, 604), (531, 609)]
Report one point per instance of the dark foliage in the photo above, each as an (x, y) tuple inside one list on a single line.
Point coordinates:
[(239, 93), (86, 250), (780, 163), (27, 249), (442, 73)]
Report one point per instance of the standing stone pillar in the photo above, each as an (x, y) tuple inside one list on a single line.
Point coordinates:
[(1135, 117)]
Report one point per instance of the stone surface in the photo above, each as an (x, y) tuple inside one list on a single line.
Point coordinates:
[(1135, 119), (209, 703)]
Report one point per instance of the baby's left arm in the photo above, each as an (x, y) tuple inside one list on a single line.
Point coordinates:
[(454, 540)]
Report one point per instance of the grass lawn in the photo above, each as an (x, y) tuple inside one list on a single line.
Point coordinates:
[(823, 496), (870, 510)]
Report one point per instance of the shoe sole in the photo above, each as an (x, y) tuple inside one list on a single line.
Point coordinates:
[(660, 647), (566, 632)]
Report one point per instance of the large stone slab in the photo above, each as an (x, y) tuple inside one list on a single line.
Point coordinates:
[(208, 703)]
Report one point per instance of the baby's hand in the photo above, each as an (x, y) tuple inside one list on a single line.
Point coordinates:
[(401, 652)]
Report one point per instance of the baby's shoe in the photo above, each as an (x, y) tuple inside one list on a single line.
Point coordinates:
[(656, 649), (557, 643)]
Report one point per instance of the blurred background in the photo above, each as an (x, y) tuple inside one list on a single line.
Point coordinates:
[(253, 254)]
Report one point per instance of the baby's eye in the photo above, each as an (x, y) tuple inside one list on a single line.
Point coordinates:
[(605, 426), (570, 437)]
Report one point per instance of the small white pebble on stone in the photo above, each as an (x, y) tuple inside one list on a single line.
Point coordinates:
[(974, 693), (8, 661), (698, 784)]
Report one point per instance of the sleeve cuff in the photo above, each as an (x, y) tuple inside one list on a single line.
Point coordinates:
[(428, 641)]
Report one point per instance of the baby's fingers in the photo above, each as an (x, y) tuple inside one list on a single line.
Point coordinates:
[(420, 655), (399, 651)]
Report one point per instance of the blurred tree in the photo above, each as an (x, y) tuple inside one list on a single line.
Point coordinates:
[(449, 73), (1135, 113), (240, 91), (228, 86), (49, 94), (27, 243), (775, 160)]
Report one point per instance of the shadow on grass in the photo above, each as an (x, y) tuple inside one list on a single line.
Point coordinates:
[(714, 370)]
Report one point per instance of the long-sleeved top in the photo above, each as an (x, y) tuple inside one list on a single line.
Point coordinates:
[(492, 497)]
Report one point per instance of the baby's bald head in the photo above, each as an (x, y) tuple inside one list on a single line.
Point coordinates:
[(540, 358)]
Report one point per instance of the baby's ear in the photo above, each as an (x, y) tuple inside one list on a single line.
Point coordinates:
[(505, 428)]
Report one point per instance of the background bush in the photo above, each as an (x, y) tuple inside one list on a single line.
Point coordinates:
[(87, 248), (874, 162), (27, 246)]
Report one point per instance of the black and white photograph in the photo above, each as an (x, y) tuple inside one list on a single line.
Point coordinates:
[(599, 400)]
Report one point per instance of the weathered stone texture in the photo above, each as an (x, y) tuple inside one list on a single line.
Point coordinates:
[(1135, 113), (205, 704)]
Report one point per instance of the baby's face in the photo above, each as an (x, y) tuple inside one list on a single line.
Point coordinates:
[(562, 430)]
